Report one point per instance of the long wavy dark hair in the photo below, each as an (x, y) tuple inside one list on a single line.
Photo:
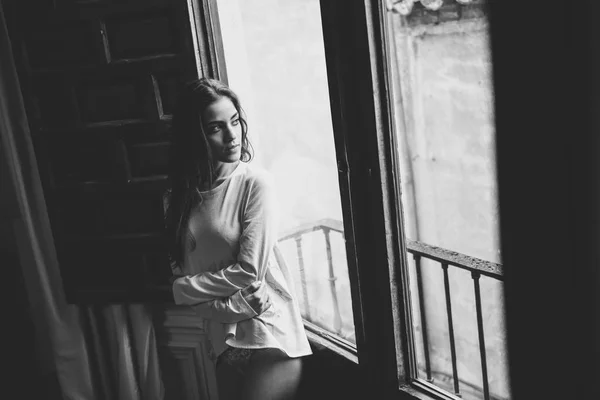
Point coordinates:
[(191, 163)]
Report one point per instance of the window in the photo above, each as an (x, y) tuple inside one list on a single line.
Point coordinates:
[(444, 132), (429, 274), (275, 60), (440, 66)]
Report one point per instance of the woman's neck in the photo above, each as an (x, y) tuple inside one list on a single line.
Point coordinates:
[(222, 171)]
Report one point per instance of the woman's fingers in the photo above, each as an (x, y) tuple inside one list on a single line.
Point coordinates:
[(259, 300), (261, 291), (264, 298), (247, 291)]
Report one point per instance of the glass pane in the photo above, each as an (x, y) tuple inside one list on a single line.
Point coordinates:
[(276, 63), (443, 106)]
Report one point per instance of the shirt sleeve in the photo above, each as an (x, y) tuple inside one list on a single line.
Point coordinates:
[(259, 235), (231, 309)]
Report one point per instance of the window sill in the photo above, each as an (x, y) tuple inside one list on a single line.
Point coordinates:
[(320, 338), (424, 391)]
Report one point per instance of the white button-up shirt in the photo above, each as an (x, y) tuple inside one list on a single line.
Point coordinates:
[(231, 237)]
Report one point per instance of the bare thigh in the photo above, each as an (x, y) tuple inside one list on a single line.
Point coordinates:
[(271, 375)]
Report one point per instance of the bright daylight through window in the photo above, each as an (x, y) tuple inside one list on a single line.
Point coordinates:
[(275, 60)]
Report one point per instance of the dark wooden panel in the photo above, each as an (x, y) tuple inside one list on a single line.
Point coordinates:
[(111, 213), (115, 268), (167, 86), (77, 160), (90, 9), (149, 159), (102, 267), (141, 35), (55, 100), (116, 98), (156, 273), (99, 78), (144, 131), (135, 131), (73, 42), (107, 158)]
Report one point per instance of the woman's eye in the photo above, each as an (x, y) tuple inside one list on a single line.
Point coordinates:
[(235, 122), (214, 128)]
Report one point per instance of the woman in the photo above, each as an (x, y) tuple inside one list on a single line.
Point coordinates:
[(222, 222)]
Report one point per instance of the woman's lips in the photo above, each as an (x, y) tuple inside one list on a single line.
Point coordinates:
[(232, 149)]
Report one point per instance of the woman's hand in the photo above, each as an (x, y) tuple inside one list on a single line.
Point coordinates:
[(257, 297)]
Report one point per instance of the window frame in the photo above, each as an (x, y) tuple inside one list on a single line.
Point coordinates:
[(361, 119), (358, 70)]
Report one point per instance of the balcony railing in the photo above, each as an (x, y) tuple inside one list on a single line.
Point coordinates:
[(327, 227), (419, 251), (477, 267)]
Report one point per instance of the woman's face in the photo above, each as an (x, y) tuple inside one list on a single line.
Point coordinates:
[(223, 130)]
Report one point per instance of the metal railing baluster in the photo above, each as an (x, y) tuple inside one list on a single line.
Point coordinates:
[(337, 316), (451, 329), (477, 267), (424, 331), (300, 253), (484, 375)]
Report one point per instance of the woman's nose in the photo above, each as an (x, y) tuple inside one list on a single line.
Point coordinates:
[(230, 133)]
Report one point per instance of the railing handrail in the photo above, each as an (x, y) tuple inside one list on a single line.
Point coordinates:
[(327, 223), (473, 264), (463, 261)]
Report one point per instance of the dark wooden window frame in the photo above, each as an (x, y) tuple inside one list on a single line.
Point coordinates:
[(207, 39), (357, 63)]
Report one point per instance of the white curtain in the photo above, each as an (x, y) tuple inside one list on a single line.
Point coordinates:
[(97, 352)]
